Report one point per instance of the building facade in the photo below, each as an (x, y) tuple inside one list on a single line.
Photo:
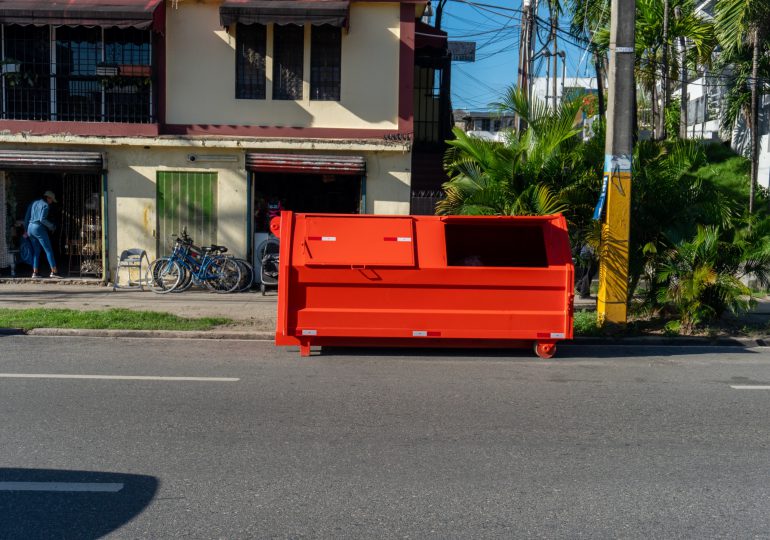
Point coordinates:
[(149, 116)]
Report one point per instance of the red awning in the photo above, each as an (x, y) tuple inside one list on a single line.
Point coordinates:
[(317, 12), (307, 164), (107, 13)]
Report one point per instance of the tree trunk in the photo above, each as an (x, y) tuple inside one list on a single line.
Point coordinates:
[(665, 87), (599, 83), (754, 117)]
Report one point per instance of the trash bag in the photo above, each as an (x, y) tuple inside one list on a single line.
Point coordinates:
[(26, 251)]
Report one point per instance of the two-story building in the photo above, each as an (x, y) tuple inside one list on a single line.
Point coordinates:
[(147, 116)]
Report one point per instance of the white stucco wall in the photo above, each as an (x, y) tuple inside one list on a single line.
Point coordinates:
[(201, 73), (132, 193)]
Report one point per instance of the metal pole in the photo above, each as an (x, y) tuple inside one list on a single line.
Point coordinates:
[(613, 270), (555, 54)]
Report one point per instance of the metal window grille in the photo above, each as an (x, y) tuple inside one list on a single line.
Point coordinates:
[(250, 44), (77, 74), (325, 63), (288, 58)]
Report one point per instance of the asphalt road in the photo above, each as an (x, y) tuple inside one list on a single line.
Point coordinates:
[(600, 442)]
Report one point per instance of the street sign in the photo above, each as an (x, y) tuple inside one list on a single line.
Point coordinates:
[(463, 51)]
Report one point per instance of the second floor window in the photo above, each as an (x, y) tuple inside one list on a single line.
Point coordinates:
[(325, 63), (77, 74), (251, 44), (288, 60)]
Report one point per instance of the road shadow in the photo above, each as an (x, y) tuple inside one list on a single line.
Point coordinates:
[(564, 352), (29, 508)]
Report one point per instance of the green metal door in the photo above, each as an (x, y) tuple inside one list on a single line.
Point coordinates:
[(186, 199)]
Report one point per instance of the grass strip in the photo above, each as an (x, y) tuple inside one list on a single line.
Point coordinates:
[(110, 319)]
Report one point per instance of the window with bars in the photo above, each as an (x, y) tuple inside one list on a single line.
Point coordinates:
[(77, 74), (250, 45), (288, 60), (325, 63)]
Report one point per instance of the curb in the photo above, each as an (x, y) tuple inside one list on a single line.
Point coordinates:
[(147, 334), (270, 336)]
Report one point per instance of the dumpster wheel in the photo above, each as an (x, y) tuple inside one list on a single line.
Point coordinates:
[(545, 350)]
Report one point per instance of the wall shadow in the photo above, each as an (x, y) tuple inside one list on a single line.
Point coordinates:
[(69, 514)]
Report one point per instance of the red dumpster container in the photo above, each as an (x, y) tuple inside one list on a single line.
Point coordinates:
[(452, 281)]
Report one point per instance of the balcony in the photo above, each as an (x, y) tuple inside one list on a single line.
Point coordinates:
[(77, 74)]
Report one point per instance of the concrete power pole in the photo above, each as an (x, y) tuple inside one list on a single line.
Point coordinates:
[(612, 304), (525, 56)]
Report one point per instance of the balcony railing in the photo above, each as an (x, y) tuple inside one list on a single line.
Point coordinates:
[(76, 74)]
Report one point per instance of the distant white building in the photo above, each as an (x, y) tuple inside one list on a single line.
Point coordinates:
[(573, 86), (705, 103), (483, 124)]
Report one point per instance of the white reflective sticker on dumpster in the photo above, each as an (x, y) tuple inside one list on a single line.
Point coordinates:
[(557, 335), (398, 238), (323, 238), (425, 333), (310, 332)]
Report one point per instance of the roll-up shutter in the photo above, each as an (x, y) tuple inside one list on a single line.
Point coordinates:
[(308, 164), (315, 12), (106, 13), (14, 160)]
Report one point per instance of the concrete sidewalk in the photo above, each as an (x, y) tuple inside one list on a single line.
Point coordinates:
[(249, 309)]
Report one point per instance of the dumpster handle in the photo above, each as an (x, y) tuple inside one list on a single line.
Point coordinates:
[(358, 266)]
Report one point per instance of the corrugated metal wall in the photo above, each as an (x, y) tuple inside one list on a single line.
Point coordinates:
[(186, 199)]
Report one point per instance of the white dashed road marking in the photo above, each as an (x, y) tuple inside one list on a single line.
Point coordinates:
[(750, 386), (114, 377)]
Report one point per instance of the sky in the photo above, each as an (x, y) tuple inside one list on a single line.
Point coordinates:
[(495, 25)]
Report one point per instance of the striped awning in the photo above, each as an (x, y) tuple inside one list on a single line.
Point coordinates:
[(106, 13), (32, 160), (307, 164), (316, 12)]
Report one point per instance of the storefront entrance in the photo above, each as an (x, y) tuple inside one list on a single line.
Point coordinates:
[(322, 193), (77, 240)]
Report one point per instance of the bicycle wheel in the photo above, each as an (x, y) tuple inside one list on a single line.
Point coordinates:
[(186, 280), (247, 275), (163, 275), (225, 275)]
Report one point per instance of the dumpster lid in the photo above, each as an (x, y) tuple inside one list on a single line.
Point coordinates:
[(347, 241)]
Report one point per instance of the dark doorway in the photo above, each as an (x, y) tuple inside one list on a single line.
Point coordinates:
[(77, 240), (316, 193)]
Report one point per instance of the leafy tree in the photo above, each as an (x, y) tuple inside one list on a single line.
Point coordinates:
[(745, 24), (522, 175)]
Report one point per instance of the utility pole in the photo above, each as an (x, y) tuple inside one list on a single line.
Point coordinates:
[(525, 57), (665, 82), (682, 80), (612, 305), (555, 53)]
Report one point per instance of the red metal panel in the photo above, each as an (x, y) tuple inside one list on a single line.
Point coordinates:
[(347, 241), (308, 164), (108, 13), (371, 289)]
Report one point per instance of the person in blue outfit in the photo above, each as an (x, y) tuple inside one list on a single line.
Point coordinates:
[(37, 227)]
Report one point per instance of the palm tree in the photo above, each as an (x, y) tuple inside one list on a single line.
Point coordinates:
[(521, 175), (650, 15), (746, 24)]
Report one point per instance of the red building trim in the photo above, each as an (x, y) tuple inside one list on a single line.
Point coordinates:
[(159, 51), (406, 71)]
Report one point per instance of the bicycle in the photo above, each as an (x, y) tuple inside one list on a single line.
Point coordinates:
[(185, 267)]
